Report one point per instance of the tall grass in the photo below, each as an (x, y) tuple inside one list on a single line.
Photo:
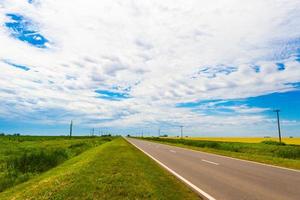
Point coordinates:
[(20, 168), (22, 158), (37, 161)]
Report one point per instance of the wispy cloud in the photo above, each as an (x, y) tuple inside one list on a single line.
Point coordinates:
[(25, 68)]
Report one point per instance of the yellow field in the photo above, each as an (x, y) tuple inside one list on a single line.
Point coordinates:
[(246, 139)]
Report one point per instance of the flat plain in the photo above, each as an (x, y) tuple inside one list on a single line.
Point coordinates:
[(110, 168), (286, 140)]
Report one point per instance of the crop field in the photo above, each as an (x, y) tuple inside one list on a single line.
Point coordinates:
[(266, 151), (82, 168), (246, 139)]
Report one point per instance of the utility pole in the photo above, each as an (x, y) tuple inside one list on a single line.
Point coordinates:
[(159, 132), (71, 128), (181, 131), (93, 131), (278, 123)]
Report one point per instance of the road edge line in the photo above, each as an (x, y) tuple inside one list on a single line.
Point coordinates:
[(194, 187)]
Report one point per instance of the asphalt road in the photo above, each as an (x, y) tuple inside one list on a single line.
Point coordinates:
[(223, 177)]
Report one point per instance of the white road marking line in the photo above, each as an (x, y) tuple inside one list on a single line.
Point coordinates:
[(210, 162), (194, 187), (173, 151)]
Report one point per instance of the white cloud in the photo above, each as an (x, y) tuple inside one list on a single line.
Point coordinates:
[(152, 47)]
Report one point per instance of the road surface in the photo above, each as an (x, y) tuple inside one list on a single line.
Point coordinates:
[(224, 178)]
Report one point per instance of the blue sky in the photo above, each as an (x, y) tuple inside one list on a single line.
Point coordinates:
[(23, 29), (218, 69), (288, 102)]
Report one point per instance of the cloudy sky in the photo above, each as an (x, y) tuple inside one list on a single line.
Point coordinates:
[(217, 67)]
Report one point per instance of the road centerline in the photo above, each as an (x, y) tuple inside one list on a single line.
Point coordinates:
[(214, 163)]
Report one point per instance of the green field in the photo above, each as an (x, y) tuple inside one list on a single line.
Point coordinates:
[(110, 170), (24, 157), (268, 151), (286, 140)]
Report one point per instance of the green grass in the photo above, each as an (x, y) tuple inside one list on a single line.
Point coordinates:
[(115, 170), (269, 152), (24, 157)]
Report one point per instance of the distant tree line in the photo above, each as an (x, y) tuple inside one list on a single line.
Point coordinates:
[(15, 134)]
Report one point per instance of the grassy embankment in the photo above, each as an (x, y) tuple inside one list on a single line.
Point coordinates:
[(24, 157), (115, 170), (269, 152)]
